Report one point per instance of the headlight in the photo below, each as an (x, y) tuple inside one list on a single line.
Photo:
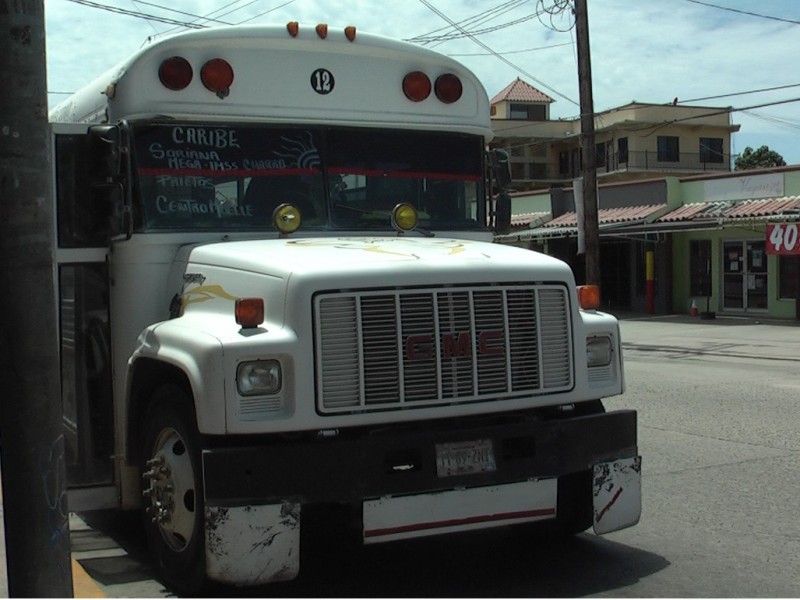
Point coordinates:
[(259, 377), (598, 351)]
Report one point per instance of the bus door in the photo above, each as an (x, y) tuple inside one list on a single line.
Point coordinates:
[(82, 288)]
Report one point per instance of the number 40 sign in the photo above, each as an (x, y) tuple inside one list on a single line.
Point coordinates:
[(782, 238)]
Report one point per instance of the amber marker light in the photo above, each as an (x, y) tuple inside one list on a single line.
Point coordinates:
[(217, 76), (293, 27), (350, 33), (322, 30), (249, 312), (416, 86), (175, 73), (589, 297)]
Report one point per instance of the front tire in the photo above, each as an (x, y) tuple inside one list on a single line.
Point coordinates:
[(172, 506)]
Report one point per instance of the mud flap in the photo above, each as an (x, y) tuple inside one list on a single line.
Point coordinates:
[(251, 545), (617, 490)]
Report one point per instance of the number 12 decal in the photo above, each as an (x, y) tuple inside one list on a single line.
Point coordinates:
[(322, 81)]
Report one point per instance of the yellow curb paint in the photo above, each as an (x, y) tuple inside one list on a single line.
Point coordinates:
[(84, 586)]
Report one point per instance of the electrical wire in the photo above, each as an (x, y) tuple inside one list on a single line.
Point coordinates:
[(744, 12), (494, 53), (139, 15)]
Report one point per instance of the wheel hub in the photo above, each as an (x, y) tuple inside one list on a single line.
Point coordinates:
[(170, 495)]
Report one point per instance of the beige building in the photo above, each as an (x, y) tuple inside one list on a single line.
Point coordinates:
[(632, 141)]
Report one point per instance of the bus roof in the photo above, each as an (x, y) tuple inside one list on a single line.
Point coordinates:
[(291, 74)]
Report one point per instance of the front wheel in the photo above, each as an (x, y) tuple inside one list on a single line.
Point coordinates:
[(172, 504)]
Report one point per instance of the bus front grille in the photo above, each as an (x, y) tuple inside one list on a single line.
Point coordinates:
[(401, 349)]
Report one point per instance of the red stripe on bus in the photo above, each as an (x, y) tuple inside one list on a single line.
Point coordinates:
[(523, 514), (236, 172), (403, 174)]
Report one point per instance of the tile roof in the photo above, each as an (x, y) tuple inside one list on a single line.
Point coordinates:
[(526, 219), (519, 91), (609, 215), (749, 209)]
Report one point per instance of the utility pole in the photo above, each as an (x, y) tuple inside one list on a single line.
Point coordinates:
[(588, 152), (33, 469)]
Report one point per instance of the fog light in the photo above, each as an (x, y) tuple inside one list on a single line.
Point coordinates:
[(259, 377)]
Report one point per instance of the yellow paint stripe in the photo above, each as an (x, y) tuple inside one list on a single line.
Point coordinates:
[(84, 586)]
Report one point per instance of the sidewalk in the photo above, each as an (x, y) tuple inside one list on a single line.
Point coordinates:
[(742, 337), (83, 586)]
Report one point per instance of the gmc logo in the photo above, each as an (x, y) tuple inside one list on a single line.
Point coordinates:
[(455, 345)]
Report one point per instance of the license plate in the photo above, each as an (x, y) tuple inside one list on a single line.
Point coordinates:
[(463, 458)]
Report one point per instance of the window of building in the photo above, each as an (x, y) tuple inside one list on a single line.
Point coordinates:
[(789, 276), (711, 150), (600, 155), (622, 149), (528, 112), (700, 268), (668, 148)]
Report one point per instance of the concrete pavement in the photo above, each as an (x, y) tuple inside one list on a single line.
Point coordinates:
[(723, 336), (743, 337)]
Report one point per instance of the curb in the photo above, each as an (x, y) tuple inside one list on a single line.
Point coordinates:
[(84, 586)]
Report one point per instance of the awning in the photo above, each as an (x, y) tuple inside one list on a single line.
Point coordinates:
[(697, 216)]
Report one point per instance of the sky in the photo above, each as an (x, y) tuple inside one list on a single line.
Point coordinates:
[(718, 53)]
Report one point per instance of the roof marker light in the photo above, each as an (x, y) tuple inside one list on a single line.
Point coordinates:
[(448, 88), (350, 32), (322, 30), (416, 86), (175, 73), (217, 76), (293, 27)]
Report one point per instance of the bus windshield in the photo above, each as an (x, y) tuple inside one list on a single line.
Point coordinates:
[(221, 177)]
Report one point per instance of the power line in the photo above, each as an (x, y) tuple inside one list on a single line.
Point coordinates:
[(474, 20), (138, 15), (769, 89), (494, 53), (744, 12), (514, 51)]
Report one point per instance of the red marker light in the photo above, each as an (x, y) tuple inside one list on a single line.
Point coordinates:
[(249, 312), (217, 76), (448, 88), (416, 86), (175, 73)]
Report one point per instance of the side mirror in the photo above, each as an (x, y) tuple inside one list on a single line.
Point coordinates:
[(501, 168), (108, 201), (105, 168), (105, 153), (502, 213)]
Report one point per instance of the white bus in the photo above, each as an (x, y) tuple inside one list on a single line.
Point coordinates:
[(278, 292)]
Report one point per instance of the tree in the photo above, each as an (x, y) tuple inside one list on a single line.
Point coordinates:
[(758, 159)]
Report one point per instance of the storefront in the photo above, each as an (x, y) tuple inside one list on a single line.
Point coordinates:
[(729, 244)]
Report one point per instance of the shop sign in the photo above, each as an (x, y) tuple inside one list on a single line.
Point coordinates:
[(782, 238)]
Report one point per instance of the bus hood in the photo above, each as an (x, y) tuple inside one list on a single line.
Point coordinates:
[(397, 260)]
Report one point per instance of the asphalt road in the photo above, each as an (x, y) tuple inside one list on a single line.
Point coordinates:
[(719, 409)]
